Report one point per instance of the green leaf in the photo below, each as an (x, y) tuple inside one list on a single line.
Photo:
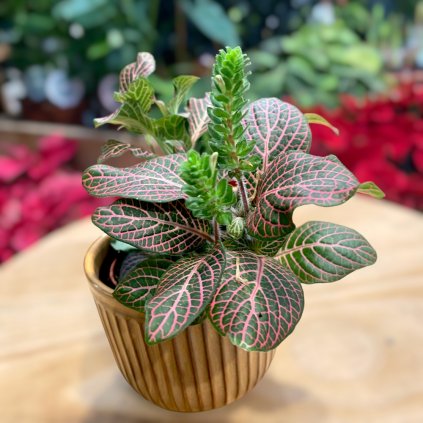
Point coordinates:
[(172, 127), (114, 148), (72, 10), (325, 252), (167, 228), (208, 198), (315, 118), (137, 101), (132, 259), (182, 294), (276, 127), (210, 18), (141, 282), (155, 180), (258, 302), (370, 188), (130, 116), (296, 179), (182, 85), (229, 85), (139, 92)]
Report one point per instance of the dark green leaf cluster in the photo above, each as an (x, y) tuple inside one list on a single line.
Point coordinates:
[(247, 277), (229, 85), (208, 198)]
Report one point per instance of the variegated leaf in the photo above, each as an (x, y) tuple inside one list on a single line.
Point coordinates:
[(143, 67), (183, 293), (140, 92), (276, 127), (315, 118), (251, 181), (182, 85), (267, 248), (132, 117), (325, 252), (258, 302), (155, 180), (132, 114), (172, 127), (198, 117), (371, 189), (296, 179), (236, 244), (135, 288), (166, 228), (114, 148)]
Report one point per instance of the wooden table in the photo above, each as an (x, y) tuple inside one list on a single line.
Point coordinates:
[(356, 355)]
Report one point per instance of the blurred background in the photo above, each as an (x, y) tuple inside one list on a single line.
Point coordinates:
[(359, 63)]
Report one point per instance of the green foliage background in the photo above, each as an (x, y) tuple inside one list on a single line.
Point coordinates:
[(308, 62)]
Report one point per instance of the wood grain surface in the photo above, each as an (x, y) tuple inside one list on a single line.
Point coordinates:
[(356, 355)]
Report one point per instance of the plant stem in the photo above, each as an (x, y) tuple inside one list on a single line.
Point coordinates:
[(216, 231), (243, 192)]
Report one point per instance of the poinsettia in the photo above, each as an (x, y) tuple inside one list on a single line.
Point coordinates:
[(32, 187), (380, 139), (209, 228)]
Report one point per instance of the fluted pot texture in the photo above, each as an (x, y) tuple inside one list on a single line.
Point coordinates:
[(198, 370)]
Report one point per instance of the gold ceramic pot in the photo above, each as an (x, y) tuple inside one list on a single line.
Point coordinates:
[(198, 370)]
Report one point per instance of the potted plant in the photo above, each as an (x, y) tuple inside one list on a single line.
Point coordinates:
[(202, 247)]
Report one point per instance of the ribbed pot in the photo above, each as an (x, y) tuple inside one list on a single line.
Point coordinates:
[(198, 370)]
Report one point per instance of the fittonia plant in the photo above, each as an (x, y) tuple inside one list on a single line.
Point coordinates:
[(214, 230)]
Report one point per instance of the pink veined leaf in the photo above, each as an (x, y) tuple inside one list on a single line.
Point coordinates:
[(251, 181), (182, 294), (267, 248), (198, 117), (144, 66), (155, 180), (166, 228), (134, 289), (114, 148), (276, 127), (258, 302), (325, 252), (296, 179), (131, 260)]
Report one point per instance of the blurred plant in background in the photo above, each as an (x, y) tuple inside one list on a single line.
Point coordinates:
[(32, 184), (63, 56), (67, 51), (380, 139), (317, 63)]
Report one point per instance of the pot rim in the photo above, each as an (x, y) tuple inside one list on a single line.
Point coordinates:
[(92, 262)]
